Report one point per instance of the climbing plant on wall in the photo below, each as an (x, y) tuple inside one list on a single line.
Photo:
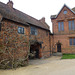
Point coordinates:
[(11, 47)]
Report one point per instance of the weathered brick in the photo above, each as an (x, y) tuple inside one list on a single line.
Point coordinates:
[(63, 36)]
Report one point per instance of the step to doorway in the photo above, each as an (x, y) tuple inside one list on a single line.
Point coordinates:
[(57, 54)]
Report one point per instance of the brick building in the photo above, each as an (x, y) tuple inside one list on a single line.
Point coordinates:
[(21, 35), (63, 38)]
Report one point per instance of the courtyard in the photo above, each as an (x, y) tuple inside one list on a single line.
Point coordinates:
[(50, 66)]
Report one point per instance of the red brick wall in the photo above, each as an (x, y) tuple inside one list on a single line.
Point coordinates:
[(13, 44), (43, 37), (51, 43), (16, 46), (63, 36)]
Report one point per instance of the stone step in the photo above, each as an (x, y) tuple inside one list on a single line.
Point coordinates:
[(57, 54)]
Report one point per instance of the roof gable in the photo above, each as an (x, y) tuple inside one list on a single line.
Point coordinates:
[(55, 16)]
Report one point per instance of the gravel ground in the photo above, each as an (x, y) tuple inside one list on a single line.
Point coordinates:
[(50, 66)]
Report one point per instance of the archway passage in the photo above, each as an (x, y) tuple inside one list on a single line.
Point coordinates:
[(34, 51), (58, 47)]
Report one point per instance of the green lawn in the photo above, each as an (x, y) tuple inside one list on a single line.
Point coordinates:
[(68, 56)]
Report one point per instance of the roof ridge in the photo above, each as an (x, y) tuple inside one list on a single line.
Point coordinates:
[(30, 16)]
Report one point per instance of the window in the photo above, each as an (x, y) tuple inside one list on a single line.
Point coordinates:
[(61, 26), (65, 12), (21, 30), (0, 26), (71, 25), (72, 41), (33, 31)]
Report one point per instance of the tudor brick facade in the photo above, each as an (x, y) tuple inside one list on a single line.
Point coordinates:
[(63, 36), (12, 44), (20, 36), (43, 37)]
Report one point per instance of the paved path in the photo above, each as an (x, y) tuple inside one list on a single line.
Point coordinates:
[(50, 66)]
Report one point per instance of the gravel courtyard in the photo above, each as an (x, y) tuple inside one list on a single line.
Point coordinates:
[(50, 66)]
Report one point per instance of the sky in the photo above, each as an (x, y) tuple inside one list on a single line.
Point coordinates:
[(41, 8)]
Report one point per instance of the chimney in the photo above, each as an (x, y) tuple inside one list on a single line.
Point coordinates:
[(44, 23), (43, 20), (10, 4)]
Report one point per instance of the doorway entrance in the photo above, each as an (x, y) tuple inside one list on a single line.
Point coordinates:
[(34, 51), (59, 47)]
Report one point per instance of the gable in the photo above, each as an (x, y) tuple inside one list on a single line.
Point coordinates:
[(65, 7), (62, 15)]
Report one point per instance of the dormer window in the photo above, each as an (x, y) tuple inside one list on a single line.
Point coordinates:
[(65, 11)]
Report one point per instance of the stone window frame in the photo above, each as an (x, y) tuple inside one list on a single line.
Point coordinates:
[(33, 30), (72, 41), (60, 26), (21, 30)]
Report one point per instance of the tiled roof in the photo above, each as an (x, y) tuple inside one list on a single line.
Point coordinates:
[(18, 16)]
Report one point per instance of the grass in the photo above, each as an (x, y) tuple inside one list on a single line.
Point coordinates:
[(68, 56)]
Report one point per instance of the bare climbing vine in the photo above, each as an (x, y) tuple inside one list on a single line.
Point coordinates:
[(9, 48)]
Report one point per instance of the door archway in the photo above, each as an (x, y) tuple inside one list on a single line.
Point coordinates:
[(59, 47)]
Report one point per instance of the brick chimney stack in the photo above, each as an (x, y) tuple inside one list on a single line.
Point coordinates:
[(10, 4), (43, 20)]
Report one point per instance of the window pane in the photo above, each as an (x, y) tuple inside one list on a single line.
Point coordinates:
[(62, 26), (21, 30), (70, 41), (73, 25), (33, 31), (65, 12), (69, 25), (59, 26), (74, 41), (18, 29)]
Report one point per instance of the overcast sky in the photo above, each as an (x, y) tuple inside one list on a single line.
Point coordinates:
[(41, 8)]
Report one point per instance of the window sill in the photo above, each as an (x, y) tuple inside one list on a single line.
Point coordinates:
[(71, 31), (72, 45)]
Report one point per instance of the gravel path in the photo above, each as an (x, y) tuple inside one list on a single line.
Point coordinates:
[(50, 66)]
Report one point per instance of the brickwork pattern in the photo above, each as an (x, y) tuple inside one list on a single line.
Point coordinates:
[(63, 36), (13, 46), (43, 37)]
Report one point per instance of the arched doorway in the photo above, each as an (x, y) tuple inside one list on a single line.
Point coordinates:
[(59, 47)]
